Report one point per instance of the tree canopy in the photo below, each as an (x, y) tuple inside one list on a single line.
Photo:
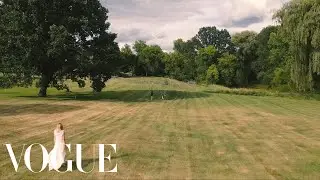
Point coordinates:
[(245, 48), (261, 66), (211, 36), (150, 59), (56, 39), (300, 22), (129, 59)]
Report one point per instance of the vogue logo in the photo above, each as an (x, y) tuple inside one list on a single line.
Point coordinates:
[(45, 158)]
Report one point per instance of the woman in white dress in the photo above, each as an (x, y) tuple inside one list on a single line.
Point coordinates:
[(57, 155)]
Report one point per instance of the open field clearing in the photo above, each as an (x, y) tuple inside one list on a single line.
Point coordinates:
[(192, 134)]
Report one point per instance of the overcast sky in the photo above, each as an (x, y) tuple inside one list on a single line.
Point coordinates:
[(162, 21)]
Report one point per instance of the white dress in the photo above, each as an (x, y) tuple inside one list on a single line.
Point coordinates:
[(57, 155)]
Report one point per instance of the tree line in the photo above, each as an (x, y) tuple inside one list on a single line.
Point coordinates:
[(286, 55), (57, 40)]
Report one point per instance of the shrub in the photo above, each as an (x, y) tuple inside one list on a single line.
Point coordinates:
[(280, 77)]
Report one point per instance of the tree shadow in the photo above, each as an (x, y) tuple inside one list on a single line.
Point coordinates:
[(128, 95), (20, 109)]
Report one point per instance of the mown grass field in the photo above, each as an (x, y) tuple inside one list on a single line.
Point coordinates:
[(192, 134)]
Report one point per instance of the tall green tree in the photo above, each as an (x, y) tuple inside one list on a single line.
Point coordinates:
[(56, 39), (152, 60), (181, 62), (129, 59), (185, 47), (211, 36), (138, 47), (205, 58), (104, 59), (245, 48), (279, 61), (227, 67), (261, 65), (300, 22), (174, 65), (180, 66)]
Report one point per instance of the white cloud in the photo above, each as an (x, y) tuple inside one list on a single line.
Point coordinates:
[(163, 21)]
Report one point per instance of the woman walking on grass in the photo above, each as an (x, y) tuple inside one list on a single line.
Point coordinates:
[(57, 155)]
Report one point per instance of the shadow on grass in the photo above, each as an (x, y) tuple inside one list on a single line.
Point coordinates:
[(127, 95), (10, 110)]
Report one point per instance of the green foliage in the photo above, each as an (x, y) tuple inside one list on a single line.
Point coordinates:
[(152, 60), (300, 23), (205, 58), (279, 61), (212, 75), (197, 58), (139, 46), (5, 81), (184, 67), (245, 47), (97, 85), (129, 59), (211, 36), (280, 77), (56, 39), (187, 48), (261, 65), (227, 66), (246, 92), (178, 66), (138, 68), (279, 50), (207, 55)]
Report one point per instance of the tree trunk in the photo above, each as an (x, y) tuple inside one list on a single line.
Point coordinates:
[(42, 91), (44, 83)]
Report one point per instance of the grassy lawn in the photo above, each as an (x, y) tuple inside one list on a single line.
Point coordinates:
[(193, 134)]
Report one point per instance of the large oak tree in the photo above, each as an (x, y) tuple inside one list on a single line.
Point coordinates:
[(56, 39)]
